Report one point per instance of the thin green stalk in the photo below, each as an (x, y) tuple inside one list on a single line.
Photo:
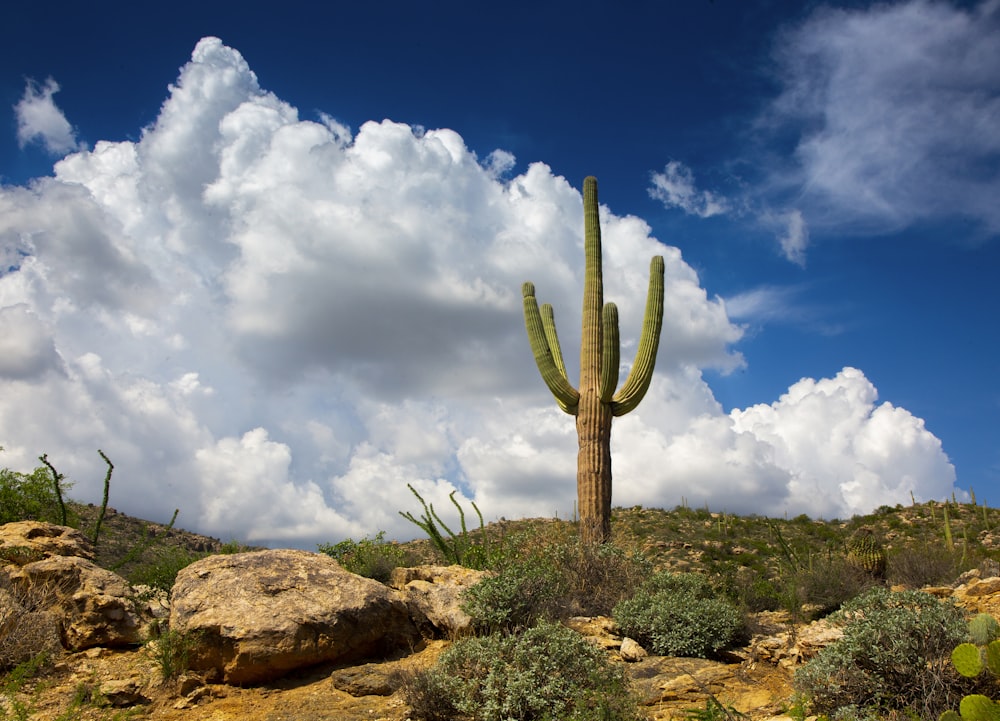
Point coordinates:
[(104, 501), (57, 479)]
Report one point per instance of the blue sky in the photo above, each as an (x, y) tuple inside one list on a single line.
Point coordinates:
[(268, 259)]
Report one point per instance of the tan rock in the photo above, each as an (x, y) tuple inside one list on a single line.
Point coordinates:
[(631, 651), (257, 616), (93, 605), (983, 587), (41, 540), (434, 596), (124, 692)]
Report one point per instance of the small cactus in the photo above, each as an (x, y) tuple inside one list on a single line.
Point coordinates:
[(866, 553), (968, 661), (983, 629), (976, 707)]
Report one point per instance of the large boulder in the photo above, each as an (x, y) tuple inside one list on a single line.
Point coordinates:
[(434, 594), (256, 616), (91, 605), (25, 541)]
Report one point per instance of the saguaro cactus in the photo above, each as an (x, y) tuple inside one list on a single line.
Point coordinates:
[(595, 403)]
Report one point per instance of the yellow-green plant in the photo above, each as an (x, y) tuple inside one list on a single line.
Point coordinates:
[(595, 402), (970, 659)]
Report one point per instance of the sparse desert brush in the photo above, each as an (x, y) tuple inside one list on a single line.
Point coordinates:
[(27, 627), (546, 672), (678, 614), (370, 557), (543, 578), (894, 655)]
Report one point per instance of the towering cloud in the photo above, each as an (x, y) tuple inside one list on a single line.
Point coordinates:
[(275, 324)]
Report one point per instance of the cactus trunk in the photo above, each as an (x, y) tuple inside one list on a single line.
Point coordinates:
[(595, 403)]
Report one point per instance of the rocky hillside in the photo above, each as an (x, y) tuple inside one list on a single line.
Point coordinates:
[(104, 670)]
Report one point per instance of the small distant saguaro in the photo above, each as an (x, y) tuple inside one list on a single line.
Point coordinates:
[(595, 403)]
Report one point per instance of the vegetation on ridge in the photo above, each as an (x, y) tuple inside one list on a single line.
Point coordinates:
[(716, 567)]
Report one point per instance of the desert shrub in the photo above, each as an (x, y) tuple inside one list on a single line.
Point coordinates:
[(461, 548), (171, 650), (29, 496), (548, 672), (894, 655), (752, 590), (597, 578), (14, 682), (520, 592), (369, 557), (27, 627), (826, 585), (537, 579), (678, 614), (924, 565), (161, 572)]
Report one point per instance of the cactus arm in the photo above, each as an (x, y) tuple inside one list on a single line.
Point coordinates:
[(641, 374), (549, 324), (610, 361), (592, 337), (566, 396)]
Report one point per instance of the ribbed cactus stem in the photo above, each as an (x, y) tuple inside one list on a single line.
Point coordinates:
[(610, 361), (553, 372), (549, 324), (594, 402), (865, 553), (641, 374)]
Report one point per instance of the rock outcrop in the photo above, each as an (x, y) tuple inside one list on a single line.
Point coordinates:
[(256, 616), (88, 605), (434, 595), (25, 541)]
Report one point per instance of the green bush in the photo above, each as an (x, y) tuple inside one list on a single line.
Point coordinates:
[(540, 579), (171, 651), (29, 496), (161, 572), (549, 672), (894, 655), (678, 614), (752, 591), (520, 592), (369, 557)]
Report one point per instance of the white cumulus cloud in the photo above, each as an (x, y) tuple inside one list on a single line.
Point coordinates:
[(40, 120), (675, 188), (275, 324)]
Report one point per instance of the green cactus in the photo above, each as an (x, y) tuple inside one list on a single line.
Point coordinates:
[(967, 659), (976, 707), (595, 402), (993, 657), (983, 628), (866, 553)]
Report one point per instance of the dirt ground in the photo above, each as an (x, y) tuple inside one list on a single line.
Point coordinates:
[(132, 677)]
